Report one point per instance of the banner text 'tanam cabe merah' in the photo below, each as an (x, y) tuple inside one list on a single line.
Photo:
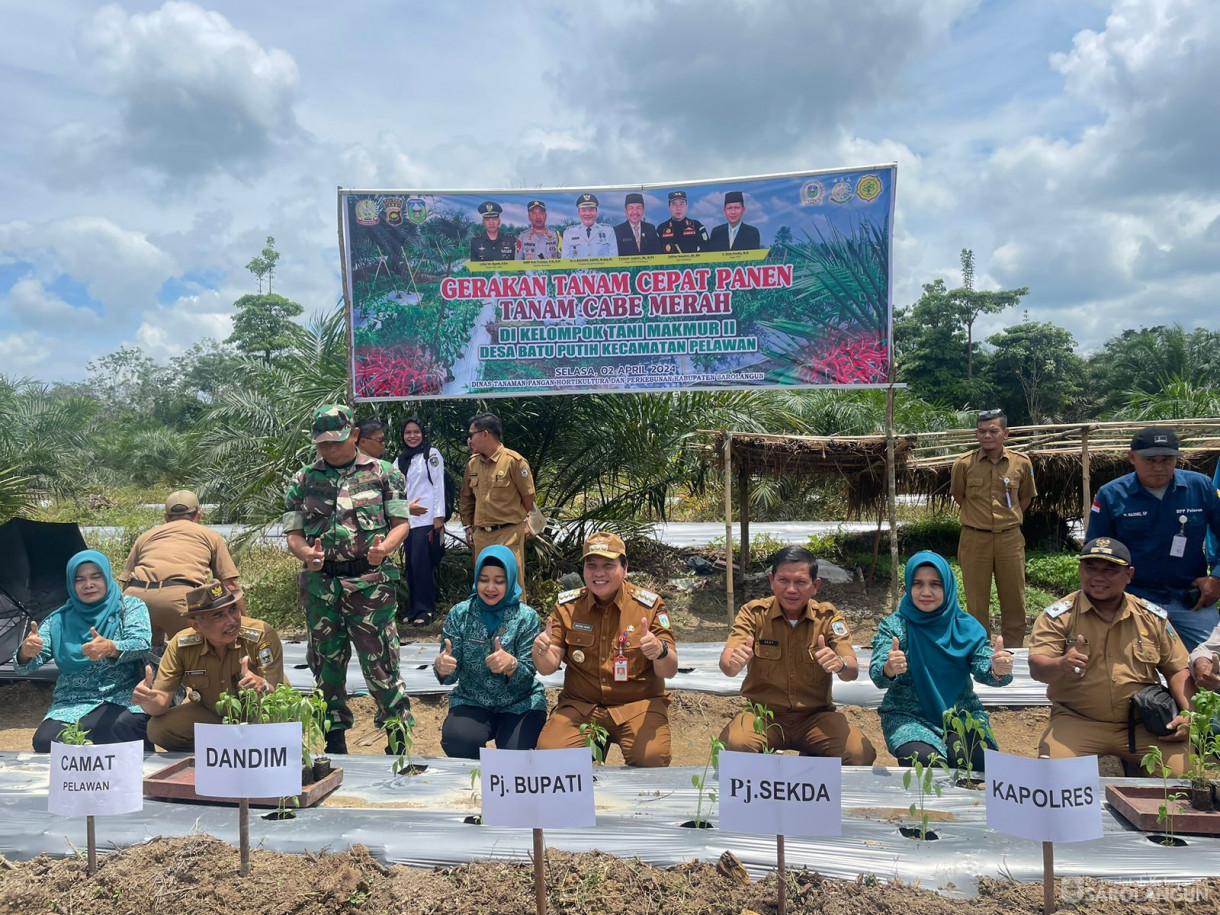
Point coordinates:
[(768, 282)]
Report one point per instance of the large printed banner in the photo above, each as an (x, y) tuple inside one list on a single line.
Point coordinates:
[(780, 281)]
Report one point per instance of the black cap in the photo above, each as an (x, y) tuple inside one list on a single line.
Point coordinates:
[(1106, 548), (1155, 441), (734, 197), (677, 195), (634, 198), (488, 208), (534, 203), (586, 200)]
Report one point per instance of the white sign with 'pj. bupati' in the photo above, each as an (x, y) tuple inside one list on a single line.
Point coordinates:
[(248, 760), (766, 794), (537, 789), (1046, 800), (96, 780)]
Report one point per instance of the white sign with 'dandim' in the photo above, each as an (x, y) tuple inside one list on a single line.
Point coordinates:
[(96, 780), (248, 760)]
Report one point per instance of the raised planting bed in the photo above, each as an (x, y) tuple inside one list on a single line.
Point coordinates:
[(176, 782), (1140, 804)]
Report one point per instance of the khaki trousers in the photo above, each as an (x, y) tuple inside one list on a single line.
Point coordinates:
[(175, 730), (165, 609), (982, 555), (1068, 734), (641, 729), (824, 733), (512, 537)]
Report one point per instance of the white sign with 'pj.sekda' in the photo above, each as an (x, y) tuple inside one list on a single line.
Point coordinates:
[(96, 780), (766, 794)]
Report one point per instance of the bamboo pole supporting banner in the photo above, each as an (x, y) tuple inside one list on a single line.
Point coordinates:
[(728, 526), (892, 486), (781, 877), (539, 874), (1085, 499), (743, 511)]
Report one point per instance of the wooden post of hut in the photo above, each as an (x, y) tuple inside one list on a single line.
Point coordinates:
[(728, 523), (1085, 501), (743, 510)]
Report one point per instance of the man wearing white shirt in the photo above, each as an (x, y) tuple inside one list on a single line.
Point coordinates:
[(591, 238)]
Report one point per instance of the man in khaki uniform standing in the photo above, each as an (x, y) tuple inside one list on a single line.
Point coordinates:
[(793, 647), (497, 493), (222, 651), (170, 559), (994, 486), (618, 647), (1097, 648)]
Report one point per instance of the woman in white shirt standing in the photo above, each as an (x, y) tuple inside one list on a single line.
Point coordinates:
[(424, 469)]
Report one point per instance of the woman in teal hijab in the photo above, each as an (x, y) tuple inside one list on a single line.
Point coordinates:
[(923, 657), (485, 650), (99, 640)]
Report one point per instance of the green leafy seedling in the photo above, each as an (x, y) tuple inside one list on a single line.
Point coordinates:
[(924, 778), (702, 782), (596, 737)]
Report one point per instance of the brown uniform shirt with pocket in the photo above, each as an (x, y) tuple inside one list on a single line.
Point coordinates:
[(1124, 656), (978, 486), (191, 662), (494, 489), (178, 549), (783, 675), (590, 636)]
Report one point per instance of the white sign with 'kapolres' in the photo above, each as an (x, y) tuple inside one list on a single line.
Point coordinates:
[(96, 780), (248, 760), (766, 794), (537, 789), (1046, 800)]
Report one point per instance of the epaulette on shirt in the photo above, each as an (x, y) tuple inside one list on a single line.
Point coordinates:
[(191, 638), (647, 598), (1154, 609), (566, 597), (1058, 609), (250, 634)]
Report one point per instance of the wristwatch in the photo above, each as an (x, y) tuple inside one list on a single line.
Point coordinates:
[(664, 651)]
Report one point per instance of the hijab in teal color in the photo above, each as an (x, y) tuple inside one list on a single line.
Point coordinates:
[(493, 615), (940, 644), (77, 617)]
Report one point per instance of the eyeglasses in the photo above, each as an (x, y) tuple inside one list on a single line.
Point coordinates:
[(985, 415), (376, 441), (471, 435)]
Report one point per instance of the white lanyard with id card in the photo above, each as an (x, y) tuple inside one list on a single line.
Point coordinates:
[(1177, 547)]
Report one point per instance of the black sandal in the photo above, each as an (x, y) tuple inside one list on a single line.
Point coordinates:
[(423, 619)]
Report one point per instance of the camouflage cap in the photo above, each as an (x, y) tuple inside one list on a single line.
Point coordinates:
[(182, 502), (603, 543), (332, 422), (214, 596)]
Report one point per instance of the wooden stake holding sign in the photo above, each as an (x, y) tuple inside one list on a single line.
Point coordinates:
[(763, 794), (95, 781), (537, 789), (244, 761), (1044, 800)]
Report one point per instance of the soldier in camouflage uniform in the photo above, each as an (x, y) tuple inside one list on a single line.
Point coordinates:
[(345, 517)]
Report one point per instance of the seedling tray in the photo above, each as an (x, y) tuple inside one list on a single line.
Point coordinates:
[(1139, 804), (176, 782)]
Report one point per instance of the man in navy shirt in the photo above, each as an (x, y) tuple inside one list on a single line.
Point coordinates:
[(1163, 515)]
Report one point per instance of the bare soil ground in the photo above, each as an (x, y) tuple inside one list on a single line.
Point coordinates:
[(186, 876)]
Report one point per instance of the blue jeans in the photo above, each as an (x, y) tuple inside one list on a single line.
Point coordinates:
[(1192, 626)]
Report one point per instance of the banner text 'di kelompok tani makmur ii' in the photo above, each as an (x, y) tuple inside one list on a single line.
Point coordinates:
[(777, 281)]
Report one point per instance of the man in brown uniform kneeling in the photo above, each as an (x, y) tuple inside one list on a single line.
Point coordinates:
[(1097, 648), (794, 646), (222, 651), (619, 649), (170, 559)]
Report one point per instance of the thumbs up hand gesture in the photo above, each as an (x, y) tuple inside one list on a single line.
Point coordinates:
[(376, 554), (315, 556), (445, 662), (31, 645), (741, 655), (896, 663), (1075, 660), (144, 689), (1001, 660), (650, 645), (826, 657), (500, 661), (98, 648), (247, 680)]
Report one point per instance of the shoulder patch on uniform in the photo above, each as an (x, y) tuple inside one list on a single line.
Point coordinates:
[(434, 460), (838, 627), (1154, 609), (566, 597), (647, 598), (1058, 609), (264, 655), (250, 634), (663, 619), (190, 638)]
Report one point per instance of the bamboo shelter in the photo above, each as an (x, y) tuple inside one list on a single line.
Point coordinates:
[(1071, 461)]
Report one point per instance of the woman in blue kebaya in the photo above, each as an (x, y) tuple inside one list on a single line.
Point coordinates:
[(486, 650), (924, 656)]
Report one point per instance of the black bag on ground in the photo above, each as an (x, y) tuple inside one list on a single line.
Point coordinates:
[(1154, 707)]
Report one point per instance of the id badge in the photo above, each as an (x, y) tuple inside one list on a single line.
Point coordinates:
[(620, 669), (1177, 548)]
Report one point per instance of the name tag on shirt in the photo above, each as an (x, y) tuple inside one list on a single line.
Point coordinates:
[(1177, 548)]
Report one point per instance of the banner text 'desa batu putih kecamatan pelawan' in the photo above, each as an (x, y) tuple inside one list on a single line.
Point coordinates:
[(776, 281)]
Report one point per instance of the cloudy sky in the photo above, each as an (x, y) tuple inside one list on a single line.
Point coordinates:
[(148, 148)]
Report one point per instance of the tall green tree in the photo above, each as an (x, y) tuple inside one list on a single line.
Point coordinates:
[(969, 303), (928, 343), (263, 325), (1147, 360), (1037, 372)]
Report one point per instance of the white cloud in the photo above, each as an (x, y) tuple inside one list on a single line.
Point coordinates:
[(27, 352), (32, 305), (193, 95)]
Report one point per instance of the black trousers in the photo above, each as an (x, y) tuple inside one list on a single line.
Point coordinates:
[(108, 723), (467, 729), (421, 578), (925, 751)]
